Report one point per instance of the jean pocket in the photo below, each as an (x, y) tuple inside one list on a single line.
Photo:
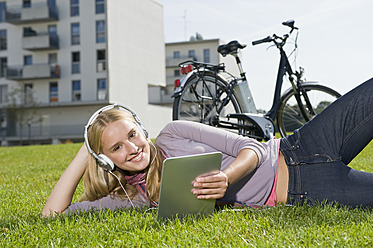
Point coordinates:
[(291, 142)]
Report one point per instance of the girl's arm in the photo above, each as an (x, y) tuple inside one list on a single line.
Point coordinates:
[(63, 192), (214, 185), (248, 153), (181, 138)]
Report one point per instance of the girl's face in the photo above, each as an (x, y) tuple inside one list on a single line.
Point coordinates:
[(126, 146)]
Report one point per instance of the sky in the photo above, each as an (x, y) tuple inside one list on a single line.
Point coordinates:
[(335, 42)]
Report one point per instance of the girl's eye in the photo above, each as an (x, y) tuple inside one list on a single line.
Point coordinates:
[(133, 134), (116, 148)]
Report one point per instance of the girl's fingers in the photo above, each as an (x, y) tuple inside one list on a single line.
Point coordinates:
[(210, 186), (208, 193), (209, 178)]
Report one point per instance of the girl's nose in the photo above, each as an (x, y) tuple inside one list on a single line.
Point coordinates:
[(132, 147)]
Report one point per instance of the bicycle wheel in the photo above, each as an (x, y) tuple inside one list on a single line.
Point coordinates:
[(289, 116), (201, 101)]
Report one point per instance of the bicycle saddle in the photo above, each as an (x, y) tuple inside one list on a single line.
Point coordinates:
[(230, 48)]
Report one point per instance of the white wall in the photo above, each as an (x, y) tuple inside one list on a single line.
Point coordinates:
[(136, 57)]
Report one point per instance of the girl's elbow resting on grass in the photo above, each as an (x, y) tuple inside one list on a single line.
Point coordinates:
[(51, 213)]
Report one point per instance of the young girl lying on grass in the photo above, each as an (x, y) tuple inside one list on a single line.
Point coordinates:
[(309, 165)]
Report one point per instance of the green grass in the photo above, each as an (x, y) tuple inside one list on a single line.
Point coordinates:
[(28, 174)]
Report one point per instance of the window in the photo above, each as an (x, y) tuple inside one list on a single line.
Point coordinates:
[(3, 40), (52, 30), (76, 93), (100, 31), (3, 66), (75, 62), (101, 89), (75, 34), (176, 54), (192, 54), (3, 121), (2, 11), (53, 92), (74, 7), (100, 6), (52, 58), (26, 4), (101, 60), (206, 55), (176, 73), (3, 93), (27, 90), (52, 4), (27, 60), (28, 31)]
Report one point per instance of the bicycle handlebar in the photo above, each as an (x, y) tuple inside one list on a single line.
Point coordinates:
[(279, 41), (265, 40)]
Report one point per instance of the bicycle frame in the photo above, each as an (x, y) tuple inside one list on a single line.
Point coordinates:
[(284, 67)]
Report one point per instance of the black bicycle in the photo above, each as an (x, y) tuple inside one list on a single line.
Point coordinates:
[(209, 94)]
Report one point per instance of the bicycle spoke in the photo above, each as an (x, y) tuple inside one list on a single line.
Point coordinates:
[(289, 115), (202, 100)]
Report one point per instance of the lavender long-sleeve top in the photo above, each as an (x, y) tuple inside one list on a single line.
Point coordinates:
[(180, 138)]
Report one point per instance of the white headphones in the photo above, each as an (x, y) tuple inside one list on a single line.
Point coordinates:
[(102, 160)]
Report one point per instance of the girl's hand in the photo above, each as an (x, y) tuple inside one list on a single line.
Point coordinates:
[(211, 185)]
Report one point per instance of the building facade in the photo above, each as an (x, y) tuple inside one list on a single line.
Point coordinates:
[(177, 52), (60, 60)]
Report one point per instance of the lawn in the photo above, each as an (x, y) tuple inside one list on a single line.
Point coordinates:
[(28, 174)]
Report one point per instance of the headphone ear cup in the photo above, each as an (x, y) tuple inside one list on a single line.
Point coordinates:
[(105, 162)]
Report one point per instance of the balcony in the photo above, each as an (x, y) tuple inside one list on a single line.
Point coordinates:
[(38, 12), (38, 71), (40, 41)]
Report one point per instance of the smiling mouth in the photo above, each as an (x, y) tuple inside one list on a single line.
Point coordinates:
[(138, 157)]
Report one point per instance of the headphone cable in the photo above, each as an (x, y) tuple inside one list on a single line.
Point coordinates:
[(122, 188)]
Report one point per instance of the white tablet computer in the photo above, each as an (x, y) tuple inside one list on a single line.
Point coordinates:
[(176, 198)]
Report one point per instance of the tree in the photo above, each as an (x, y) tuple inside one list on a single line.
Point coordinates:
[(22, 109), (196, 38)]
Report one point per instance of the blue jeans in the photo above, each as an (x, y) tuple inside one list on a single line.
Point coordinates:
[(317, 154)]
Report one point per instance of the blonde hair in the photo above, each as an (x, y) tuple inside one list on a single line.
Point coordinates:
[(98, 182)]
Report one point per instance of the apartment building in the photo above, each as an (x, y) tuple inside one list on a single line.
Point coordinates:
[(60, 60), (196, 49)]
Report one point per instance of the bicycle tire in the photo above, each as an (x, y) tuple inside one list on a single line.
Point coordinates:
[(199, 100), (289, 117)]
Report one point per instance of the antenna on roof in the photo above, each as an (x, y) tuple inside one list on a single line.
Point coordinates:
[(185, 24)]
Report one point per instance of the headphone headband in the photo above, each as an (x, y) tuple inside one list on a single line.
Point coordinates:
[(103, 160)]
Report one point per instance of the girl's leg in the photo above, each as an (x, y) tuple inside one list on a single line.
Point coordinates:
[(331, 183), (341, 131), (317, 154)]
